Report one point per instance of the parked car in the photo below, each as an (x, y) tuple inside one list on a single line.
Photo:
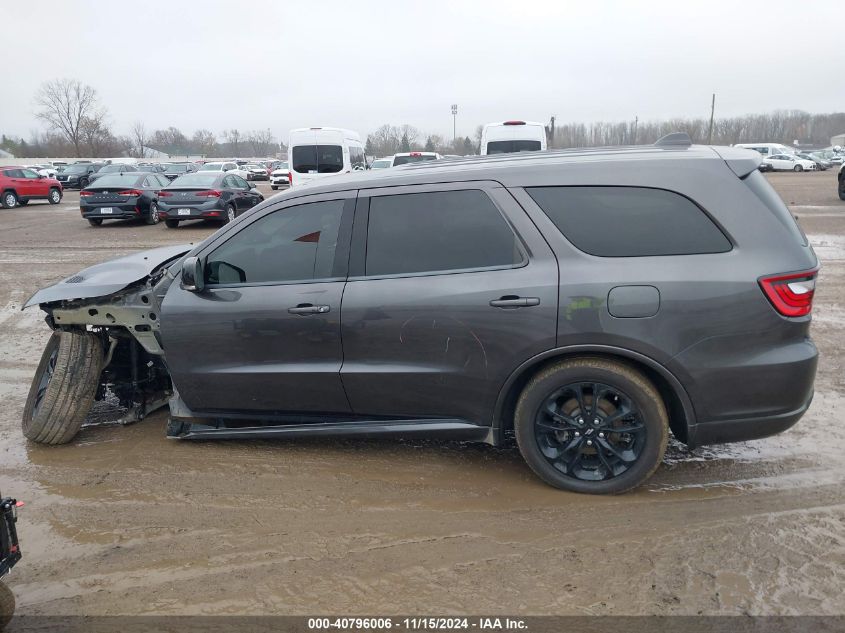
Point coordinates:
[(764, 166), (174, 170), (821, 165), (45, 170), (229, 167), (117, 168), (214, 195), (10, 555), (455, 319), (768, 150), (841, 179), (154, 168), (405, 158), (316, 153), (256, 172), (506, 137), (122, 196), (789, 162), (382, 163), (19, 185), (78, 175), (280, 177)]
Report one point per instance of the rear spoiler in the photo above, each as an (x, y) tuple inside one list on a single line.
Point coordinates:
[(741, 161)]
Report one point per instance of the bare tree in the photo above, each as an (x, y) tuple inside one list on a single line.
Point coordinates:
[(203, 142), (96, 133), (262, 142), (139, 139), (65, 105), (233, 138)]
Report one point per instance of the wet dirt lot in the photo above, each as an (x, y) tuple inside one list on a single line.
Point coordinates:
[(123, 521)]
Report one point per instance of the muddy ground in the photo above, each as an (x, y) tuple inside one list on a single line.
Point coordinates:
[(123, 521)]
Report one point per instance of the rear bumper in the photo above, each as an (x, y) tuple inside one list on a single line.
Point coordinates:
[(725, 431), (119, 211), (209, 210)]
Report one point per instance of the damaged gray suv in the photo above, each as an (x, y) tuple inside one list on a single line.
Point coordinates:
[(588, 302)]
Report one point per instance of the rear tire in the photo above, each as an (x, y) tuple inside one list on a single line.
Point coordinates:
[(63, 388), (798, 168), (171, 224), (7, 605), (273, 187), (583, 453), (231, 214), (55, 196), (153, 218), (10, 200), (842, 189), (83, 183), (95, 221)]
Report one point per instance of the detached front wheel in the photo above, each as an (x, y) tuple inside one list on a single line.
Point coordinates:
[(7, 605), (63, 388), (591, 425)]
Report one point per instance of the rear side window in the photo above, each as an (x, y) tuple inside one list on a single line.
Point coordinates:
[(438, 231), (413, 158), (630, 221), (769, 197), (506, 147)]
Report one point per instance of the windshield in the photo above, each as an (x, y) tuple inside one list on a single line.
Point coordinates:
[(176, 169), (116, 180), (212, 167), (256, 167), (506, 147), (317, 159), (108, 169), (403, 160), (76, 169), (381, 164), (195, 179)]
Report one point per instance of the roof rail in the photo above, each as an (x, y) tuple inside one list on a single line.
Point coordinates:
[(676, 139)]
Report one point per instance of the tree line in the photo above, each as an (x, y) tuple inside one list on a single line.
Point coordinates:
[(78, 125)]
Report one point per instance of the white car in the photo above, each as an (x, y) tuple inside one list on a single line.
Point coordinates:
[(405, 158), (789, 162), (230, 167), (382, 163), (280, 177), (44, 170), (256, 171)]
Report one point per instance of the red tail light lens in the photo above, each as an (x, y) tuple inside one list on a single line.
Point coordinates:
[(130, 192), (290, 177), (85, 194), (164, 194), (211, 193), (514, 123), (791, 294)]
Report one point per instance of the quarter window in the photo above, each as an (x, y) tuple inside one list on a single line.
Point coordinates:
[(293, 244), (630, 221), (438, 231)]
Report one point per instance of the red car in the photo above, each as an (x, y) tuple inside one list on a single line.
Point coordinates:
[(19, 185)]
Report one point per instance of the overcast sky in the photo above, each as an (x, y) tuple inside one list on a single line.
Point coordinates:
[(257, 64)]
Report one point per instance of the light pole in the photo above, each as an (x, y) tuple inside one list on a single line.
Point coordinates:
[(454, 122)]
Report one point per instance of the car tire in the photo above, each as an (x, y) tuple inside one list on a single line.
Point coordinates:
[(171, 224), (231, 214), (63, 388), (152, 218), (10, 200), (273, 187), (55, 196), (628, 459), (797, 168), (95, 221), (7, 605), (842, 189), (83, 183)]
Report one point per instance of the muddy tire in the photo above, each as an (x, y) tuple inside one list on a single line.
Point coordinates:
[(7, 605), (591, 425), (63, 388)]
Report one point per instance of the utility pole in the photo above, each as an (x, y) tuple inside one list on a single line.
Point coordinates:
[(636, 122), (454, 122), (712, 111)]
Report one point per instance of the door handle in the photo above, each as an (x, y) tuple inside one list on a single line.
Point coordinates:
[(307, 308), (511, 301)]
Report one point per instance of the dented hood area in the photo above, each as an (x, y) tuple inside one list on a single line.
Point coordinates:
[(109, 277)]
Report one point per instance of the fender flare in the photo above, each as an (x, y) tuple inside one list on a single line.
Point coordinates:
[(605, 350)]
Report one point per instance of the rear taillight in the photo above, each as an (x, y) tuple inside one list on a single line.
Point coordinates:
[(84, 194), (514, 123), (164, 194), (290, 178), (211, 193), (130, 192), (791, 294), (416, 154)]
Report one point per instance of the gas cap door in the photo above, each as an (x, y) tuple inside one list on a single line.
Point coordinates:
[(631, 302)]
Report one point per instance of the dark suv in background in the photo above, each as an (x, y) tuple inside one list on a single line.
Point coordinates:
[(78, 175), (587, 301)]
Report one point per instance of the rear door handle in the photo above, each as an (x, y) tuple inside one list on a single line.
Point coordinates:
[(307, 308), (515, 302)]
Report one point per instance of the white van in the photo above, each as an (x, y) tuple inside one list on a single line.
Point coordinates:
[(513, 136), (768, 149), (320, 152)]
